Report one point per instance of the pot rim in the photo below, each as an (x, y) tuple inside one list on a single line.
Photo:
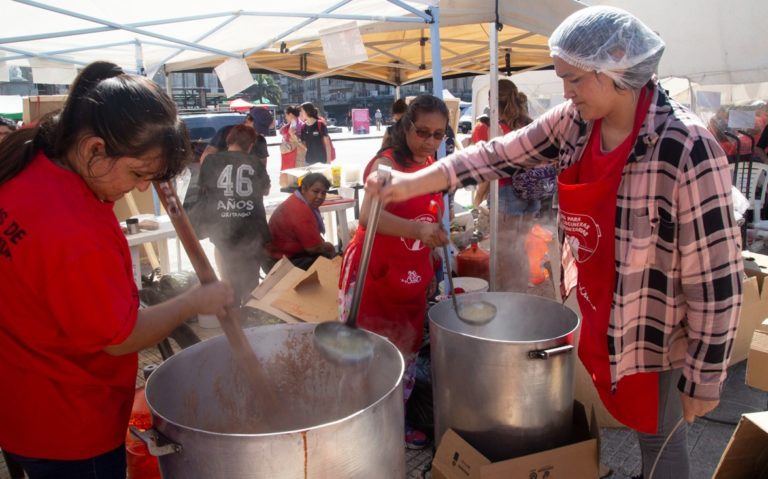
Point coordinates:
[(384, 396), (472, 335)]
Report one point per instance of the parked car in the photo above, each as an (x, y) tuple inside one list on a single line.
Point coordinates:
[(202, 127), (466, 121)]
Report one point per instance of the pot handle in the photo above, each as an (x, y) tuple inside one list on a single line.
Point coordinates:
[(157, 444), (547, 353)]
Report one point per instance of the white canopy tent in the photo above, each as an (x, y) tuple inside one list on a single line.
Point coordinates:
[(709, 42), (180, 35)]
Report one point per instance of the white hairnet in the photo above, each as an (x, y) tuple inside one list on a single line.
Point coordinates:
[(610, 41)]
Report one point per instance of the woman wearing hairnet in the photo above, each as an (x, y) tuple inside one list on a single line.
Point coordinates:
[(650, 245)]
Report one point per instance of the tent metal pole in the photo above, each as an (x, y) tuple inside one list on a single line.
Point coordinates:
[(85, 31), (437, 90), (198, 39), (27, 54), (301, 25), (338, 16), (424, 16), (70, 50), (493, 195), (128, 28)]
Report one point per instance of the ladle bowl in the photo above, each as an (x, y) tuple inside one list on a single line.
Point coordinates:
[(343, 344)]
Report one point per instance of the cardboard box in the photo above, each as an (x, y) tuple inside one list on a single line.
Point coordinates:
[(456, 459), (34, 107), (290, 178), (755, 265), (745, 455), (754, 310), (757, 358)]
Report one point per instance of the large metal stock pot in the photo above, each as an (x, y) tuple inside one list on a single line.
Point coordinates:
[(506, 386), (332, 420)]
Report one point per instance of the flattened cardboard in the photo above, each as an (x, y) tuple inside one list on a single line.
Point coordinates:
[(755, 265), (757, 360), (745, 455), (456, 459), (282, 275), (313, 297)]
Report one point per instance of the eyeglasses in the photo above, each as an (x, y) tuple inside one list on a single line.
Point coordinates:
[(425, 134)]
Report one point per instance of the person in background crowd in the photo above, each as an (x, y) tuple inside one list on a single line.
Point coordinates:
[(401, 268), (398, 109), (516, 208), (291, 150), (232, 189), (660, 288), (6, 127), (378, 117), (297, 225), (70, 326), (314, 135), (513, 115), (258, 118)]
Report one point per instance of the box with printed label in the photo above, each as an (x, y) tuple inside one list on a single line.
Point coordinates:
[(456, 459)]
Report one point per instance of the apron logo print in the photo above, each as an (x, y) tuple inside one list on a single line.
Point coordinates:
[(412, 278), (585, 295), (582, 234), (414, 244)]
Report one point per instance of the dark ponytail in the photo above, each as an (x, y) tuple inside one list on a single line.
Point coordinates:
[(131, 114), (310, 110), (422, 104)]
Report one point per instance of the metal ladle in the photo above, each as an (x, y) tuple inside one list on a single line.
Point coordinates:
[(471, 312), (344, 342)]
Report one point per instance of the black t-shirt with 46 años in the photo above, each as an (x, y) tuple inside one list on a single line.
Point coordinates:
[(232, 188)]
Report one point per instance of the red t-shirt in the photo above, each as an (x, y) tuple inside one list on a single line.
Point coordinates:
[(67, 293), (294, 228), (482, 133)]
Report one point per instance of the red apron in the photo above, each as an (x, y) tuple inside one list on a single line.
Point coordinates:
[(587, 215), (287, 160), (400, 270)]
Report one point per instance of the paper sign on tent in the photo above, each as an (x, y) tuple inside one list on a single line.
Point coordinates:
[(52, 73), (234, 76), (343, 45)]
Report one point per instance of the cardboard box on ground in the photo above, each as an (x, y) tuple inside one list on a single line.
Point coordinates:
[(757, 359), (746, 455), (456, 459)]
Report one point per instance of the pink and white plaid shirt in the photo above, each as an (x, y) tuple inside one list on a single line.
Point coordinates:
[(679, 270)]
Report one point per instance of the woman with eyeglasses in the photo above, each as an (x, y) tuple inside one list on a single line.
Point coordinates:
[(401, 268)]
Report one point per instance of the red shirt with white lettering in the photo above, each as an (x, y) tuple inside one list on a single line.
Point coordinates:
[(67, 293)]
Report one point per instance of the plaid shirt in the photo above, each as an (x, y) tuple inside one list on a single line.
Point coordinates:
[(678, 289)]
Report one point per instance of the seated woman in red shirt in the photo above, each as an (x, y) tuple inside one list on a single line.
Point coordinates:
[(296, 225)]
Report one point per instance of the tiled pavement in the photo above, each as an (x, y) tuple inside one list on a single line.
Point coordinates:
[(619, 449)]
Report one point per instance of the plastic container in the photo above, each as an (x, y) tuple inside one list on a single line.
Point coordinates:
[(208, 321), (141, 464), (335, 174), (132, 225), (466, 284), (474, 261)]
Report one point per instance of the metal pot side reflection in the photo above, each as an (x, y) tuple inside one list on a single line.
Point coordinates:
[(487, 387), (336, 421)]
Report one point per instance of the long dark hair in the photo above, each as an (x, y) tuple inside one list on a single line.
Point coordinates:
[(513, 105), (422, 104), (130, 113)]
